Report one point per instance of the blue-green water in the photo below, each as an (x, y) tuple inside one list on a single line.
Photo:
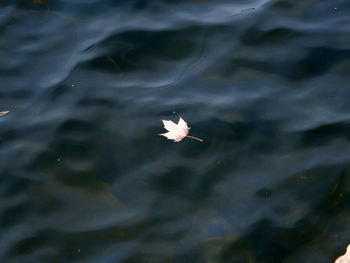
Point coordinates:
[(84, 176)]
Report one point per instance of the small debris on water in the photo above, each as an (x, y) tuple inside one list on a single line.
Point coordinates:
[(4, 112)]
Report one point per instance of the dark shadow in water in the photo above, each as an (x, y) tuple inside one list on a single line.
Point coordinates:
[(141, 50), (73, 157), (325, 134), (267, 242), (256, 37), (317, 62)]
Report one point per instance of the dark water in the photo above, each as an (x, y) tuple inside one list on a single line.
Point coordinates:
[(84, 177)]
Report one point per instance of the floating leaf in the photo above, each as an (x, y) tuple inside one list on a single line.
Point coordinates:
[(177, 131), (4, 112), (344, 258)]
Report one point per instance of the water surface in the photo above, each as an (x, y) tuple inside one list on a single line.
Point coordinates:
[(84, 176)]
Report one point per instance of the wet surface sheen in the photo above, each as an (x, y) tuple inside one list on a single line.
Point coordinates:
[(84, 176)]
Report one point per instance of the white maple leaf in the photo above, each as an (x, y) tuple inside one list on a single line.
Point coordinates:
[(177, 131), (4, 112), (344, 258)]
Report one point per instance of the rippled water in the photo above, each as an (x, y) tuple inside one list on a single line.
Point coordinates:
[(84, 176)]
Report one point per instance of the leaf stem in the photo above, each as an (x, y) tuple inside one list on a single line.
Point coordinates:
[(194, 138)]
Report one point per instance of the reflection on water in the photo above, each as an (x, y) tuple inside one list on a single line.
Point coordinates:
[(84, 175)]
